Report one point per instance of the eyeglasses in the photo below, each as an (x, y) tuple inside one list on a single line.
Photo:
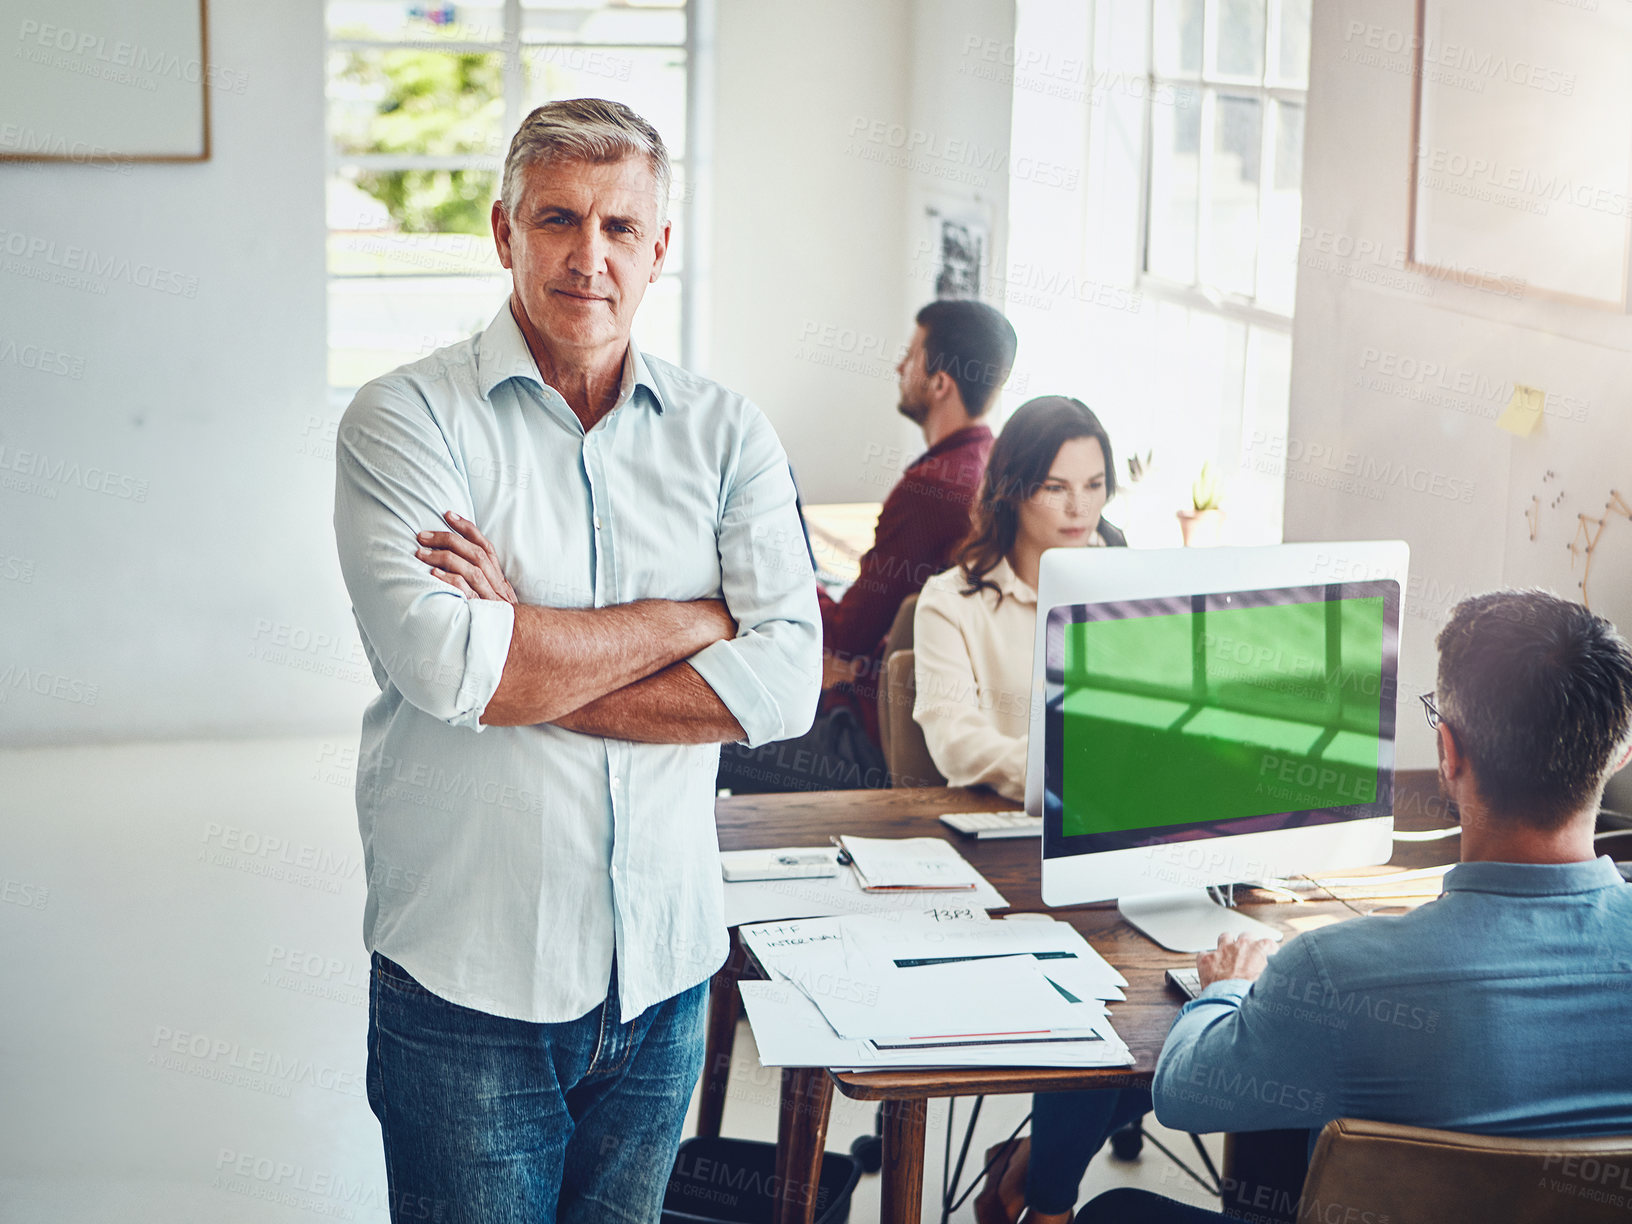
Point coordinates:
[(1430, 709)]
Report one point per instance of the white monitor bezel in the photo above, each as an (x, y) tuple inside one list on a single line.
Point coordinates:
[(1070, 576)]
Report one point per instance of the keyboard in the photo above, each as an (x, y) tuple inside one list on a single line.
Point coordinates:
[(1187, 981), (993, 824)]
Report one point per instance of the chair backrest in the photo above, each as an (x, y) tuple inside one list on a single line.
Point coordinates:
[(1413, 1175), (900, 635), (905, 752)]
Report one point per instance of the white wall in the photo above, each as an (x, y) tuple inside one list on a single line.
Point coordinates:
[(154, 607), (1393, 372), (807, 299), (836, 122)]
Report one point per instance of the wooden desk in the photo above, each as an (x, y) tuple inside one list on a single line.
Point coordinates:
[(764, 821)]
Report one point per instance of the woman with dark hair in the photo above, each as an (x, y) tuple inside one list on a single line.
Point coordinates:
[(1050, 474)]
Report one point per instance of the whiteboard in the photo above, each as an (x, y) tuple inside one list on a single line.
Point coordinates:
[(1522, 150), (100, 81)]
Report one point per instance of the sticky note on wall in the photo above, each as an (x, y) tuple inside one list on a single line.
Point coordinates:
[(1523, 411)]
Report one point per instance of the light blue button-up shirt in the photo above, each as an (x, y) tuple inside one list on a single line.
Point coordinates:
[(1501, 1008), (506, 864)]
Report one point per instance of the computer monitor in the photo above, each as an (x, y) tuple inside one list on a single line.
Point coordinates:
[(1208, 716)]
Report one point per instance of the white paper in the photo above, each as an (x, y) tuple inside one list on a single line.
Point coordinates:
[(1002, 995), (911, 862), (790, 1031), (773, 900), (784, 949), (1064, 953)]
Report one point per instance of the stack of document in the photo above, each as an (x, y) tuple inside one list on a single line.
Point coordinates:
[(931, 989), (894, 864), (903, 875)]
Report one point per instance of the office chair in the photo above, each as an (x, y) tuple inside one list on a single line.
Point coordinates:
[(905, 752), (1414, 1175)]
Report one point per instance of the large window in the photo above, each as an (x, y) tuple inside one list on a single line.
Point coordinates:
[(1229, 85), (1180, 245), (422, 100)]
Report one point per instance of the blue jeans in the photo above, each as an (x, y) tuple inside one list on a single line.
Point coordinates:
[(495, 1121), (1067, 1128)]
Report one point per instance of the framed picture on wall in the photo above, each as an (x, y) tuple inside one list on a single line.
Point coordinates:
[(98, 82), (957, 242), (1521, 158)]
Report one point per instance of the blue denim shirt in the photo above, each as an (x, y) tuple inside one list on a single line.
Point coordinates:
[(1502, 1007), (506, 864)]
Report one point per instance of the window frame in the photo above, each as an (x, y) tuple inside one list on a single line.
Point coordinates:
[(1209, 86), (514, 50)]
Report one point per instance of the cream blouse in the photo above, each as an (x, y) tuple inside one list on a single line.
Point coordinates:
[(973, 668), (972, 663)]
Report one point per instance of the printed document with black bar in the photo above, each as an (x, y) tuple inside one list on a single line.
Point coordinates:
[(931, 990)]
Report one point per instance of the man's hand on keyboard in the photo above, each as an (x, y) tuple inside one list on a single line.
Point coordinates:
[(1236, 957)]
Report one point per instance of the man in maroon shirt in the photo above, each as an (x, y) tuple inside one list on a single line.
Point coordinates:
[(960, 355)]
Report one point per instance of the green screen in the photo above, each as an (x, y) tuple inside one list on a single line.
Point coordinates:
[(1203, 716)]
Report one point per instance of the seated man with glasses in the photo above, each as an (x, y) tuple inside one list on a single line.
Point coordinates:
[(1498, 1008)]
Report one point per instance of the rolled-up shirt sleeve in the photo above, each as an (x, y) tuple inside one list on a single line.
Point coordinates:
[(1253, 1056), (394, 477), (769, 675)]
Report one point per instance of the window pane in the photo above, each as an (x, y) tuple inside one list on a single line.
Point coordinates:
[(1241, 38), (1174, 166), (1289, 146), (377, 325), (1178, 37), (1293, 60), (588, 22), (399, 21), (1232, 237), (1278, 247), (653, 83), (363, 244), (410, 101)]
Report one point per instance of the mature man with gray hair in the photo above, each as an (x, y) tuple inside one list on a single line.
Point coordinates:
[(576, 571)]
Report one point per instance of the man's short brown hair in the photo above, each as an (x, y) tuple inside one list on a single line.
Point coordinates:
[(1538, 693)]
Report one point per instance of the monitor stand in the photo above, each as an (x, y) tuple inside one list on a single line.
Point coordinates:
[(1189, 920)]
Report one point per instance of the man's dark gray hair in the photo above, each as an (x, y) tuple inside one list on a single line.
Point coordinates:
[(585, 130), (1538, 693)]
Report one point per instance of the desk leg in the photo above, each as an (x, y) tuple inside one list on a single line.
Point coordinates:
[(724, 1006), (901, 1196), (801, 1136)]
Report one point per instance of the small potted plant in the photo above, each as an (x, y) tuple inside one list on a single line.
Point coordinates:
[(1203, 524)]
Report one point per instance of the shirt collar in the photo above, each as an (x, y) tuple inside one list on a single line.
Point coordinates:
[(502, 354), (1010, 583), (1533, 879), (976, 431)]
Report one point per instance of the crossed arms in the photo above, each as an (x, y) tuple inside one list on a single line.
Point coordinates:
[(616, 671), (654, 670)]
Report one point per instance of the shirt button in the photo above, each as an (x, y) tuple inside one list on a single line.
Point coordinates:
[(616, 782), (597, 522)]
